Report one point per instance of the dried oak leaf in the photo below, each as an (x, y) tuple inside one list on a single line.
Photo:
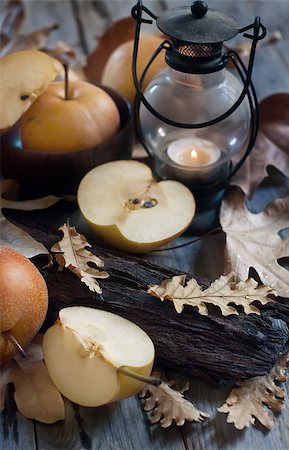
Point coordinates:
[(67, 55), (11, 18), (246, 403), (222, 293), (252, 240), (272, 144), (35, 395), (71, 253), (34, 40), (169, 405), (13, 236), (118, 33)]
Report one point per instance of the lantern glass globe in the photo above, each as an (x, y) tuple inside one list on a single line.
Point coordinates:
[(195, 98)]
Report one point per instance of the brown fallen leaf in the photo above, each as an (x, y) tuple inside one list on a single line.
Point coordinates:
[(71, 253), (35, 395), (271, 147), (119, 32), (14, 237), (246, 403), (12, 15), (222, 293), (67, 55), (169, 405), (33, 40), (274, 116), (252, 240)]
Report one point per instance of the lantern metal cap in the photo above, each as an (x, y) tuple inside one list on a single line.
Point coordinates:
[(197, 24)]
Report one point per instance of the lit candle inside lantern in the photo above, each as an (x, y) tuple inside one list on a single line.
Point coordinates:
[(193, 152)]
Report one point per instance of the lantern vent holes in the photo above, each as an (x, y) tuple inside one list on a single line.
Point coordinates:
[(198, 50)]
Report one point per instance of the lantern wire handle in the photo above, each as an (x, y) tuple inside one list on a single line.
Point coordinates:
[(253, 102), (138, 8), (248, 88), (137, 101), (138, 16), (190, 242)]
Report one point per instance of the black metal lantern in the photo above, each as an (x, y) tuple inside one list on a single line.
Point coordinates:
[(196, 117)]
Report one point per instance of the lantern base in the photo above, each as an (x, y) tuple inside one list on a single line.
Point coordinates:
[(207, 213), (208, 198)]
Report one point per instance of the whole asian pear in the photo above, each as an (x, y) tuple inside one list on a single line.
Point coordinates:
[(23, 304), (117, 72), (54, 123)]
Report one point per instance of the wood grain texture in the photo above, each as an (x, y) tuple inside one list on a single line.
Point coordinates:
[(120, 425), (17, 432), (208, 347)]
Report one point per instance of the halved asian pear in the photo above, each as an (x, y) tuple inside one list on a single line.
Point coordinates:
[(127, 208), (85, 348), (24, 76)]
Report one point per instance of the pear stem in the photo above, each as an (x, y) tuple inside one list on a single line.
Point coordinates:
[(66, 81), (130, 373), (15, 342)]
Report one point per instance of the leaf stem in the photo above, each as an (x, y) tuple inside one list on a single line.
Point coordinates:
[(130, 373)]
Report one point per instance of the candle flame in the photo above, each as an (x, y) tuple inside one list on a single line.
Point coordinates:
[(194, 154)]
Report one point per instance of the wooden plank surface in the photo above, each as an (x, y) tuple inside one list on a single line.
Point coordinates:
[(124, 425), (117, 426), (16, 431)]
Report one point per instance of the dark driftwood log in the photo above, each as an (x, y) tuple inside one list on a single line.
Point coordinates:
[(209, 347)]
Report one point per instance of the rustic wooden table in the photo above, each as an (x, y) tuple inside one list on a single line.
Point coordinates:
[(124, 425)]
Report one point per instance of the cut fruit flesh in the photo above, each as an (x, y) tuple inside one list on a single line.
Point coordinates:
[(84, 349), (20, 88), (68, 367), (127, 208)]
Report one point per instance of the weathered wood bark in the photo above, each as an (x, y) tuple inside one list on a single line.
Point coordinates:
[(209, 347)]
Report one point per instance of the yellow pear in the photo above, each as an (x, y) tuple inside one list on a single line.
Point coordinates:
[(117, 72), (55, 124)]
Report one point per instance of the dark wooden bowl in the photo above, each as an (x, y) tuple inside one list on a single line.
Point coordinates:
[(60, 173)]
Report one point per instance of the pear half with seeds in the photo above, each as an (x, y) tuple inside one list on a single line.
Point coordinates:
[(128, 209)]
